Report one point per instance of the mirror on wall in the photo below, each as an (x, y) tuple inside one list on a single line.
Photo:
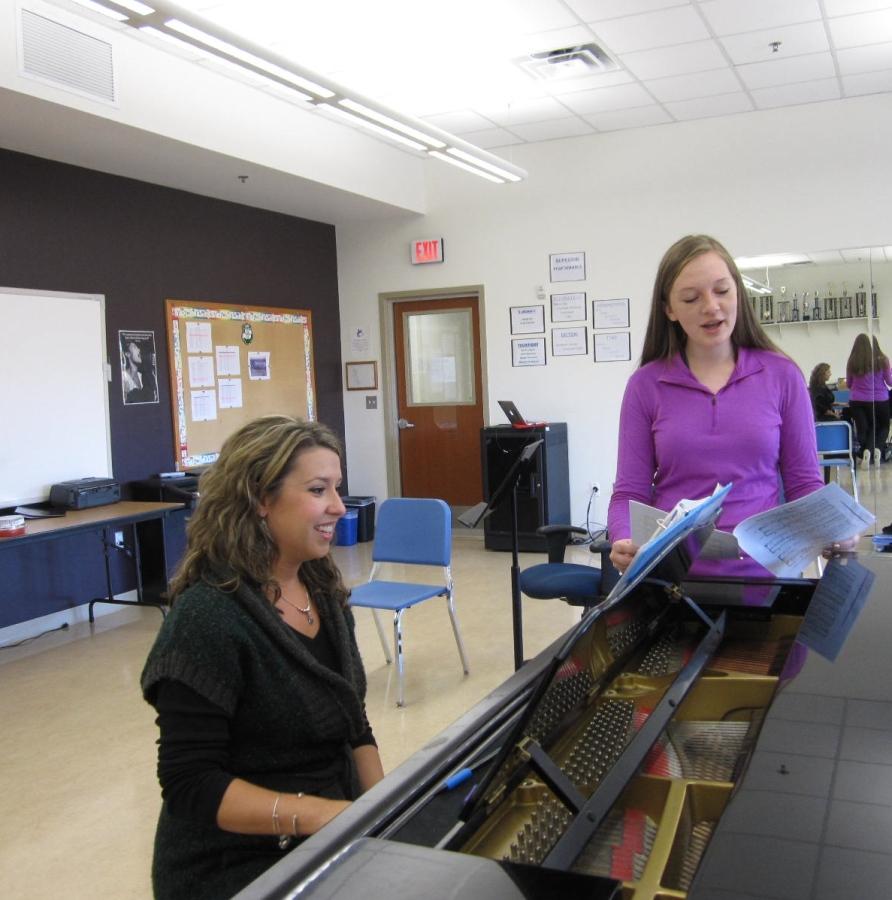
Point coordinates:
[(814, 305)]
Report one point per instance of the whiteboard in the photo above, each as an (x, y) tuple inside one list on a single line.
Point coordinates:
[(53, 392)]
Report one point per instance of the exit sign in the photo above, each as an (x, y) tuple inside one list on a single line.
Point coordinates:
[(429, 250)]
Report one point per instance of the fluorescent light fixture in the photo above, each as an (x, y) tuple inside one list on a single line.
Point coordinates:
[(217, 46), (185, 46), (475, 161), (771, 260), (755, 286), (208, 40), (462, 165), (390, 122), (371, 126), (105, 10)]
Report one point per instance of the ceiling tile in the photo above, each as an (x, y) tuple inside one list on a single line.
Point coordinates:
[(538, 15), (791, 94), (624, 96), (724, 105), (848, 7), (867, 83), (867, 28), (787, 71), (543, 41), (641, 117), (733, 17), (865, 59), (680, 60), (598, 10), (538, 110), (492, 137), (561, 87), (654, 29), (556, 128), (699, 84), (796, 40), (460, 122)]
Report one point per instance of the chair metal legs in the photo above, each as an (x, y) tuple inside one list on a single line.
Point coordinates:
[(455, 630), (381, 637), (398, 645)]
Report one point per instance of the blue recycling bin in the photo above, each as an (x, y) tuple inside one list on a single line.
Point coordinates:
[(365, 507), (346, 529)]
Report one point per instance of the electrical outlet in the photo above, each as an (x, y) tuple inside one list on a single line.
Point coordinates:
[(119, 539), (596, 487)]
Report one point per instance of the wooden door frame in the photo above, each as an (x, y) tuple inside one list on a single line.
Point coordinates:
[(386, 301)]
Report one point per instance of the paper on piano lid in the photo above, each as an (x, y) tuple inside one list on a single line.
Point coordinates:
[(785, 540)]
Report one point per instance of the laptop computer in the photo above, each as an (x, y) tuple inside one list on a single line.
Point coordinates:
[(514, 416)]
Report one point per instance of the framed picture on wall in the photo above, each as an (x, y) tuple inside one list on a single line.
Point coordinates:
[(362, 376), (139, 376), (527, 319)]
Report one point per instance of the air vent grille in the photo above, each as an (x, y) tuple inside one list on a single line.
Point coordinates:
[(67, 57), (568, 62)]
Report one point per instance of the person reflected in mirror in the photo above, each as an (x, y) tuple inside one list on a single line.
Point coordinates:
[(713, 401), (255, 674), (822, 398), (869, 377)]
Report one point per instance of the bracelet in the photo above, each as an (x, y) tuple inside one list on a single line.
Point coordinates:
[(294, 819), (276, 829)]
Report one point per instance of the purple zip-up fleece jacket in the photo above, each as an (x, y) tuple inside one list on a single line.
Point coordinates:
[(677, 439)]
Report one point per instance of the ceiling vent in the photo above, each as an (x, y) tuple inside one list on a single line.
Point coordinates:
[(65, 57), (568, 62)]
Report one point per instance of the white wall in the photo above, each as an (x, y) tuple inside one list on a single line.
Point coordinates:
[(808, 178)]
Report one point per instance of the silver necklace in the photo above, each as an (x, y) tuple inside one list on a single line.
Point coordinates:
[(307, 610)]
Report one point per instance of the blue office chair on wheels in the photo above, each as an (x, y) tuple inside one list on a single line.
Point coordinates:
[(576, 584), (415, 532)]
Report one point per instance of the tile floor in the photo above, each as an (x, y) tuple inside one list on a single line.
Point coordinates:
[(77, 744)]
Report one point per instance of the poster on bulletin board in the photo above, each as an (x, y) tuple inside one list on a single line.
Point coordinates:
[(230, 364)]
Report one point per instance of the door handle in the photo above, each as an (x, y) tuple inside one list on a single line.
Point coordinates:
[(403, 424)]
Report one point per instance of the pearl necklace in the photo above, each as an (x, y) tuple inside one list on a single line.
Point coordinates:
[(305, 610)]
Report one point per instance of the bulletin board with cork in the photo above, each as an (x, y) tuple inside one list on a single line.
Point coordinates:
[(230, 364)]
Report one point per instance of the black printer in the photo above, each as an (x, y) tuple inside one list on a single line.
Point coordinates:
[(82, 493)]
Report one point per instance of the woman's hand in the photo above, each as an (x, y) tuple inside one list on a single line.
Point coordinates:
[(622, 553), (841, 548)]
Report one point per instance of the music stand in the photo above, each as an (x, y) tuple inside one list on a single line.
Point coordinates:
[(472, 517)]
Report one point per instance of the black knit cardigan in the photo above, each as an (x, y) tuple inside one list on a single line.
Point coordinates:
[(288, 715)]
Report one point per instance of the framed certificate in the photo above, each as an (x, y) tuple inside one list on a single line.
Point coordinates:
[(527, 319), (571, 341), (568, 307), (611, 313), (614, 346), (362, 376), (528, 352)]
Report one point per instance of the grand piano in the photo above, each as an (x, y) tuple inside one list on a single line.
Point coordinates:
[(662, 749)]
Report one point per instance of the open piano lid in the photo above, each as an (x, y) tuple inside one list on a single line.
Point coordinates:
[(666, 559)]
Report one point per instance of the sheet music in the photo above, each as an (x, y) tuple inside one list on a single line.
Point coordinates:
[(789, 537)]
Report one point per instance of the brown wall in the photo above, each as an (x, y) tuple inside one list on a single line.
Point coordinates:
[(64, 228)]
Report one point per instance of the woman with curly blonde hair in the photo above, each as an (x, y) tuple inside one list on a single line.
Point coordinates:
[(255, 674)]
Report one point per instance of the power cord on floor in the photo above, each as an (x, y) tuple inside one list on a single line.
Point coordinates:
[(34, 637)]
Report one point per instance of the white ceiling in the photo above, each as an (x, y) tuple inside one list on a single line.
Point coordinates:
[(455, 63)]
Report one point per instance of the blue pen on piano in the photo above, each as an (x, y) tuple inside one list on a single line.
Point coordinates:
[(459, 777)]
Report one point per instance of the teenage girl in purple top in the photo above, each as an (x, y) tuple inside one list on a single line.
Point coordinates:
[(868, 376), (713, 401)]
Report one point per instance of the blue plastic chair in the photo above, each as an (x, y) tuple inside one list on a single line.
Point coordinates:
[(414, 532), (835, 449)]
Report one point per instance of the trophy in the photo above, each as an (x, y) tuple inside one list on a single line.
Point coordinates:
[(795, 307), (816, 315), (805, 314), (860, 302), (873, 301)]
